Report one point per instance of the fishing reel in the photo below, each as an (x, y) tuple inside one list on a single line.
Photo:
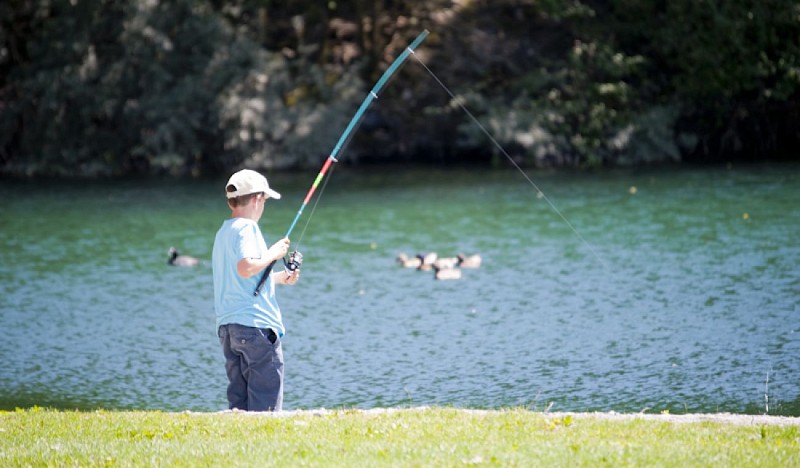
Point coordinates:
[(295, 260)]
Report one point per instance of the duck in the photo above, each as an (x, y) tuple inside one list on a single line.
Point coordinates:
[(469, 261), (427, 260), (445, 262), (446, 273), (408, 262), (176, 259)]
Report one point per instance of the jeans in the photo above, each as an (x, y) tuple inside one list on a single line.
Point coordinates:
[(254, 364)]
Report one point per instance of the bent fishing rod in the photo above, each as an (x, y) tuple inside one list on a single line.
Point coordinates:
[(373, 94)]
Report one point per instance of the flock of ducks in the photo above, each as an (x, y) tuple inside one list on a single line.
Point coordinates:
[(444, 268)]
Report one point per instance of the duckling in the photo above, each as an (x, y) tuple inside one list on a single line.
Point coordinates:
[(469, 261), (446, 273), (408, 262), (180, 260)]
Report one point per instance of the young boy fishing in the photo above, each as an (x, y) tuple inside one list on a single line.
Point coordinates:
[(250, 326)]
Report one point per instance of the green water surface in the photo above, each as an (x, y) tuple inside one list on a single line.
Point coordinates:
[(662, 289)]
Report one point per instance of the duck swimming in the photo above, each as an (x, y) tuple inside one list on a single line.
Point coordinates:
[(427, 260), (446, 273), (177, 259), (469, 261), (408, 262)]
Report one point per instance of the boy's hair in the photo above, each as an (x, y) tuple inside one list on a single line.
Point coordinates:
[(242, 200)]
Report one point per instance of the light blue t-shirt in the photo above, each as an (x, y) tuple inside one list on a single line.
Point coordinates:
[(234, 301)]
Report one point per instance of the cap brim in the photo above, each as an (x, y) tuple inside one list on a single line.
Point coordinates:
[(273, 194)]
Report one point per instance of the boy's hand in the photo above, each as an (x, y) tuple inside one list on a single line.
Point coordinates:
[(279, 249)]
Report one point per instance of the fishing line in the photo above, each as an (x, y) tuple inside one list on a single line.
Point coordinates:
[(314, 207), (539, 191)]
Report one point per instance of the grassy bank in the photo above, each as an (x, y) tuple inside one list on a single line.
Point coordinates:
[(408, 437)]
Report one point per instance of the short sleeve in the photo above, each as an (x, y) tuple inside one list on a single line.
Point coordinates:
[(248, 243)]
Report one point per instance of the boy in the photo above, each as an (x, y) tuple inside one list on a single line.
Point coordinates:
[(250, 327)]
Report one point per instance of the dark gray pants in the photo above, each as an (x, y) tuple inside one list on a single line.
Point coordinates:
[(254, 364)]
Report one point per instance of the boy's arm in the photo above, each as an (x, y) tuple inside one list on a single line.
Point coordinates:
[(248, 267)]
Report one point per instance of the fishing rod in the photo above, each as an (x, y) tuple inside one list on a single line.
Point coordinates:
[(373, 94)]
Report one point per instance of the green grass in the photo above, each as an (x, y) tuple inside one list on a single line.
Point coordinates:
[(407, 437)]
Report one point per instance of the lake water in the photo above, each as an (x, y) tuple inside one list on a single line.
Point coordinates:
[(681, 293)]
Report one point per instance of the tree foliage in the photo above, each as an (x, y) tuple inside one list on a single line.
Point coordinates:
[(103, 87)]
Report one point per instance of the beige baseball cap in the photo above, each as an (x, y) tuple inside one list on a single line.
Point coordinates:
[(246, 182)]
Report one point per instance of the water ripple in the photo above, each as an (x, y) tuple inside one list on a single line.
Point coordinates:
[(687, 299)]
